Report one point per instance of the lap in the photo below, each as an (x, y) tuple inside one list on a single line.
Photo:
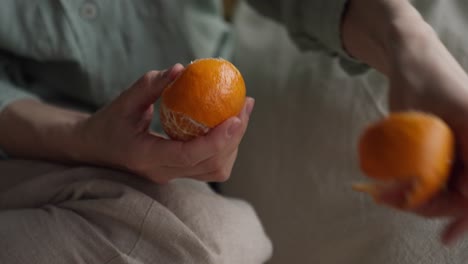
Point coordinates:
[(59, 214)]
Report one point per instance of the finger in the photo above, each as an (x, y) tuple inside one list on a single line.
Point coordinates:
[(219, 163), (233, 132), (447, 204), (460, 183), (221, 174), (451, 202), (146, 90), (455, 230), (217, 173), (221, 138), (390, 194), (394, 195), (217, 168)]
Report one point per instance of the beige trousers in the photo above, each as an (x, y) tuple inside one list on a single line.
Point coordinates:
[(56, 214)]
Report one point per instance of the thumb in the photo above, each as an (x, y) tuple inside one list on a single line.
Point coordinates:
[(455, 230), (392, 195), (146, 90)]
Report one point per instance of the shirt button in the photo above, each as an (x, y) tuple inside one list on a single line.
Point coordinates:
[(89, 10)]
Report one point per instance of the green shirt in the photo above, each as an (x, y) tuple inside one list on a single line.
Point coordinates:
[(82, 53)]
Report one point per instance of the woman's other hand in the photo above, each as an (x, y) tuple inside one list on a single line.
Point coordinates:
[(118, 135), (422, 76)]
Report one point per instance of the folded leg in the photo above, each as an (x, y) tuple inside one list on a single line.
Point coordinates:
[(57, 214)]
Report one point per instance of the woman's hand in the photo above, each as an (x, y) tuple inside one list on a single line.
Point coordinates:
[(118, 135), (423, 76), (429, 79)]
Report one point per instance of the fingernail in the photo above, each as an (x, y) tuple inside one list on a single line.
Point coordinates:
[(167, 72), (447, 240), (174, 71), (463, 190), (234, 127), (250, 107)]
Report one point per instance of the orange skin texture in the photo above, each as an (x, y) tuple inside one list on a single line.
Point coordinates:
[(208, 91), (410, 149)]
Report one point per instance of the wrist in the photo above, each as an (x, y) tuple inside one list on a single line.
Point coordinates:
[(376, 32), (33, 129), (71, 143), (59, 136), (423, 74)]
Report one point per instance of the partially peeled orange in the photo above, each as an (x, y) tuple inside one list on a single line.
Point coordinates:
[(411, 149), (206, 93)]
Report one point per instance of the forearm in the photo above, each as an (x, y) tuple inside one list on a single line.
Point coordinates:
[(375, 30), (392, 37), (32, 129)]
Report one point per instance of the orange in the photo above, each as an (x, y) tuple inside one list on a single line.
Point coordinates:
[(410, 149), (206, 93)]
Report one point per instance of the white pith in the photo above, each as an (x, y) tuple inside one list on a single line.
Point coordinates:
[(172, 124)]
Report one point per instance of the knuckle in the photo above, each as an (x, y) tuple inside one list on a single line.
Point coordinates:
[(125, 106), (120, 105), (132, 161), (159, 178), (222, 174), (182, 157), (147, 78), (133, 164), (218, 145), (185, 160), (216, 165), (146, 81)]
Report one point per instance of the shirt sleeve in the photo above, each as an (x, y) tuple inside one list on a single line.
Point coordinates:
[(17, 41), (9, 93), (312, 25), (9, 90)]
